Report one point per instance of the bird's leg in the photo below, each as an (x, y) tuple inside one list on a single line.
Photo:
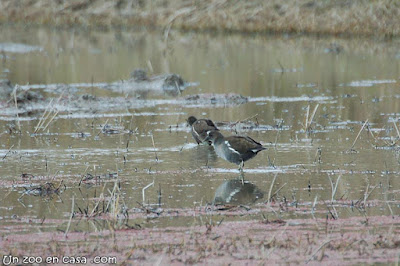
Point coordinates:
[(241, 175), (241, 165)]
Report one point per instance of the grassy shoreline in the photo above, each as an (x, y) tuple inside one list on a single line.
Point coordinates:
[(379, 18)]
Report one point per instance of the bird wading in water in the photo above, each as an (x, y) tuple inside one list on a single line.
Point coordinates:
[(200, 127), (234, 149)]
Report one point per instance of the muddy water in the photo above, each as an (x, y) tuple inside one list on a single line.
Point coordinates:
[(110, 135)]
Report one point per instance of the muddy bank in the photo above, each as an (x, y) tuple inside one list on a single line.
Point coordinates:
[(376, 240), (379, 18)]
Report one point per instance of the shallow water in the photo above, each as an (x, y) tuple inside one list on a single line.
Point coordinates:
[(111, 136)]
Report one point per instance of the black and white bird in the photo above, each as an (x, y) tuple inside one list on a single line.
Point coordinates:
[(234, 149), (200, 127)]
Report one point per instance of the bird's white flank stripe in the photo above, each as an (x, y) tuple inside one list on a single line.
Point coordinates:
[(232, 194), (229, 147)]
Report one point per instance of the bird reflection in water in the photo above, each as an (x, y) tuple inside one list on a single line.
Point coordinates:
[(237, 192)]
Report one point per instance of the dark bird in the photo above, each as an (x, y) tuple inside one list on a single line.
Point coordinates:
[(234, 149), (200, 128)]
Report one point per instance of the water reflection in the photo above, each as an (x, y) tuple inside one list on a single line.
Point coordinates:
[(204, 155), (237, 192)]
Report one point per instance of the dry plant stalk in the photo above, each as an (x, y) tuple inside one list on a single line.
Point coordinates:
[(397, 129), (270, 189), (51, 120), (309, 120), (318, 249), (113, 204), (7, 152), (103, 128), (358, 135), (42, 117), (16, 104), (154, 147), (368, 193), (334, 187), (70, 217), (246, 119), (47, 112), (307, 114), (313, 206), (144, 190)]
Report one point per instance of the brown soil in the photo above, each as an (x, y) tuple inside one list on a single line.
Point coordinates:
[(307, 241), (359, 17)]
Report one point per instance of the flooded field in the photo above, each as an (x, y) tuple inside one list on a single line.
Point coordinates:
[(83, 151)]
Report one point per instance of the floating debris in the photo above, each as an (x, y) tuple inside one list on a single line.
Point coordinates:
[(22, 95), (217, 99), (109, 129), (170, 84), (46, 189), (27, 176), (308, 85), (89, 178)]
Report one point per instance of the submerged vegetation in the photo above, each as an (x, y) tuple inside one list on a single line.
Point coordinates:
[(359, 17)]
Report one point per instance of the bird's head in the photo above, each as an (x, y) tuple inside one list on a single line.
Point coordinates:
[(213, 135), (191, 120)]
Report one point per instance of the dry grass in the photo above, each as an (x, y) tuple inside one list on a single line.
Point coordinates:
[(359, 17), (110, 207)]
